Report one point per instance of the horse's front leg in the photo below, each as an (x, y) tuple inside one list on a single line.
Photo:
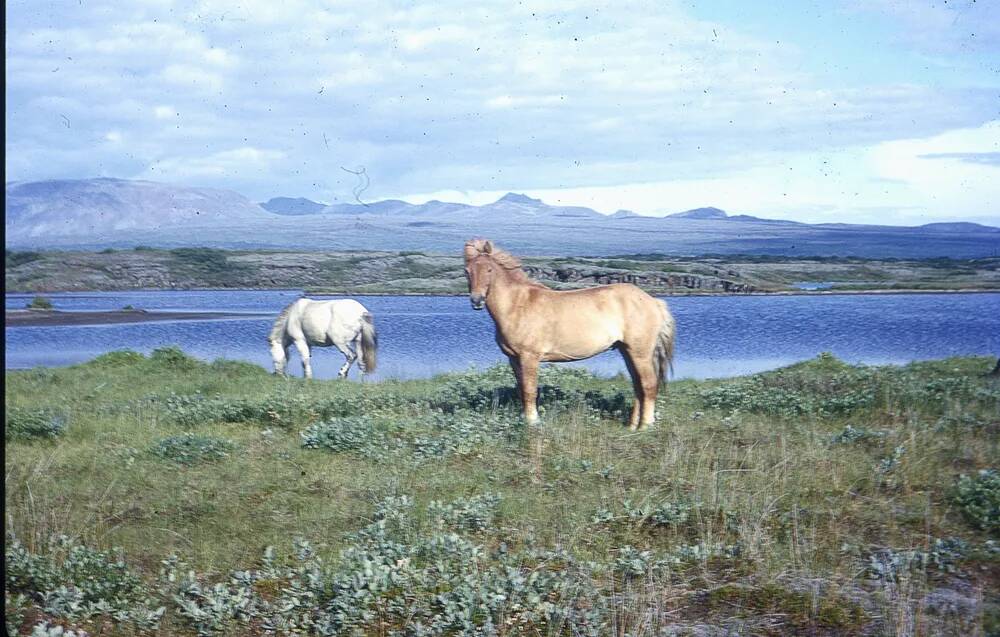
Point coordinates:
[(303, 348), (515, 366), (528, 378)]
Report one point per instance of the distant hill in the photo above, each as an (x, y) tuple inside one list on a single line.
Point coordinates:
[(95, 211), (292, 206), (960, 226), (700, 213), (99, 213)]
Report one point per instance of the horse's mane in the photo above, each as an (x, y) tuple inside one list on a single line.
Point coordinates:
[(504, 259), (278, 330)]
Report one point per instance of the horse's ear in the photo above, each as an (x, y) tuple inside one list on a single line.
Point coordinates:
[(487, 247), (470, 251)]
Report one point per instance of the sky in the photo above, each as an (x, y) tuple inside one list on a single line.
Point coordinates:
[(853, 111)]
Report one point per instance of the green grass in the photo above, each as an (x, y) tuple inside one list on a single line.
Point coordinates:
[(821, 498)]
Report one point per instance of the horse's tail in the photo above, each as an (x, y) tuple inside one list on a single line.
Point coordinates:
[(663, 354), (277, 334), (369, 342)]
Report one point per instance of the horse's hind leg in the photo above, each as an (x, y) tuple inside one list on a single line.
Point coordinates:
[(633, 421), (303, 348), (280, 357), (647, 376), (349, 355), (645, 383)]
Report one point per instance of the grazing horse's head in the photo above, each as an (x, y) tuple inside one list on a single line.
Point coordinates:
[(479, 270)]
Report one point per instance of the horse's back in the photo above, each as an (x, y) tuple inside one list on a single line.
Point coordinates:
[(345, 308), (615, 297)]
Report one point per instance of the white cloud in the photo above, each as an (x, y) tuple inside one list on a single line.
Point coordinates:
[(233, 163), (188, 75), (417, 40), (219, 57), (164, 112), (940, 25), (524, 101)]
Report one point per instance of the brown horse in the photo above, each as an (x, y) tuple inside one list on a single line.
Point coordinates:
[(535, 324)]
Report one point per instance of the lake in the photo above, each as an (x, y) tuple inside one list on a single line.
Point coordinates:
[(421, 336)]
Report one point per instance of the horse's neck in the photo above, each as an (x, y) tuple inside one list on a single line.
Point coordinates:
[(505, 295)]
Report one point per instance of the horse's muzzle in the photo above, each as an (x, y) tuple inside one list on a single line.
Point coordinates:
[(478, 302)]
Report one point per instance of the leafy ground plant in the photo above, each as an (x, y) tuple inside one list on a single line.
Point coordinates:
[(979, 499), (28, 424), (190, 449), (75, 582)]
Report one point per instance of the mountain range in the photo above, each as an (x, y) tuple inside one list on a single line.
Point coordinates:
[(102, 213)]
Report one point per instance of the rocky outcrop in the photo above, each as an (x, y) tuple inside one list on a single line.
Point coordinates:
[(373, 271), (654, 280)]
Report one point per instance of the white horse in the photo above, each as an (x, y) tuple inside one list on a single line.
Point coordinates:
[(323, 323)]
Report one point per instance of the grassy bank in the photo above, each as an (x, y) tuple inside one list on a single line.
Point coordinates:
[(421, 273), (819, 499)]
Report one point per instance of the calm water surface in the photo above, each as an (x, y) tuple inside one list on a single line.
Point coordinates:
[(422, 336)]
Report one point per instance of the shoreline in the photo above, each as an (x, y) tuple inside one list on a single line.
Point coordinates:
[(679, 294), (70, 318), (323, 292), (60, 318)]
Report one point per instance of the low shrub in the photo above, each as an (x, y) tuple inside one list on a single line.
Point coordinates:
[(558, 386), (344, 434), (490, 389), (662, 514), (436, 583), (822, 387), (29, 424), (466, 514), (276, 410), (942, 556), (118, 358), (978, 497), (861, 435), (463, 432), (173, 358), (76, 582), (191, 449), (231, 368), (942, 388), (14, 258), (631, 562), (39, 303)]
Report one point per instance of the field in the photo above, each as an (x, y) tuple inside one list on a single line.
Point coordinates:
[(427, 273), (167, 496)]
